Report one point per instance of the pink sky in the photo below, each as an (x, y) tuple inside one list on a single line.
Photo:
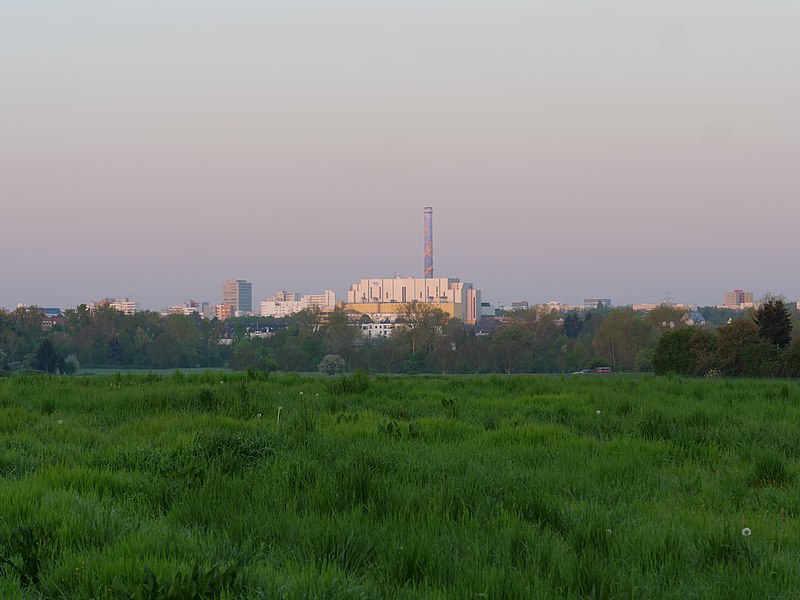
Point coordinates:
[(570, 149)]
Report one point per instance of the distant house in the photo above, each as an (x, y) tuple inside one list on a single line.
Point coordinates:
[(52, 317), (383, 329), (694, 319)]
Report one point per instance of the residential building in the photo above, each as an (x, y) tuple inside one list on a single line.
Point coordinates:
[(283, 303), (224, 311), (737, 299), (127, 306), (647, 307), (379, 330), (190, 307), (324, 301), (52, 317), (594, 303), (694, 319)]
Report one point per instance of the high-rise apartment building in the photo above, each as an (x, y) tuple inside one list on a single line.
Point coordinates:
[(738, 298), (238, 293)]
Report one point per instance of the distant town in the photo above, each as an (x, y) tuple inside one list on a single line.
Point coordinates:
[(380, 300), (424, 324), (373, 302)]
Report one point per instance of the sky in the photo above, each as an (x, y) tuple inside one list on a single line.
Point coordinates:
[(618, 149)]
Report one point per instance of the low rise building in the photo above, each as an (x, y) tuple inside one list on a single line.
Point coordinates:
[(52, 317), (647, 307), (190, 307), (127, 306), (224, 311), (384, 329), (595, 303)]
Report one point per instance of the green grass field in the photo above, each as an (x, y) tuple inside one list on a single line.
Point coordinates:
[(135, 486)]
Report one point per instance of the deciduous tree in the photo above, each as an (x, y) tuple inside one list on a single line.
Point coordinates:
[(732, 339)]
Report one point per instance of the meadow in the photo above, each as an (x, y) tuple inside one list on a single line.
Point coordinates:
[(247, 486)]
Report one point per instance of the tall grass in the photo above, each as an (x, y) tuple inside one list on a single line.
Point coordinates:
[(505, 487)]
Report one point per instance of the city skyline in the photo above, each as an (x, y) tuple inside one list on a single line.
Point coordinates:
[(570, 150), (730, 299)]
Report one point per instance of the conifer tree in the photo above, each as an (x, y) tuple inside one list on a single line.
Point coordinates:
[(774, 321)]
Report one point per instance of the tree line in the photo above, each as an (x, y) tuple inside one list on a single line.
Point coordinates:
[(759, 346), (534, 340)]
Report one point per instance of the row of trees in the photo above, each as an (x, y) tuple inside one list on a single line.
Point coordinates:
[(107, 337), (760, 346), (524, 341)]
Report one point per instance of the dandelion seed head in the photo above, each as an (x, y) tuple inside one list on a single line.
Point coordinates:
[(598, 412), (259, 415), (60, 422), (746, 532), (301, 393)]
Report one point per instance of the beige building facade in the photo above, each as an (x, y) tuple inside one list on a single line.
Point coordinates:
[(385, 297)]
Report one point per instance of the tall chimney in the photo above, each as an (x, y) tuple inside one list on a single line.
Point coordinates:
[(428, 233)]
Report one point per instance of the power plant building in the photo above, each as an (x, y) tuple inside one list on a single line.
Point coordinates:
[(382, 298)]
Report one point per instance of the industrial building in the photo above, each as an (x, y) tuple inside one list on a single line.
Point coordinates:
[(381, 298), (385, 298)]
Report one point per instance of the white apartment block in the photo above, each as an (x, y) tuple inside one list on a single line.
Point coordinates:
[(378, 330), (129, 307), (647, 307), (284, 304), (182, 310)]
